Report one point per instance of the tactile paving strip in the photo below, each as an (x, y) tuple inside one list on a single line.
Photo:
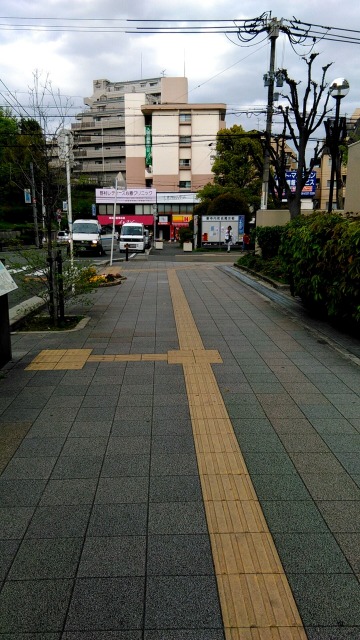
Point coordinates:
[(256, 600)]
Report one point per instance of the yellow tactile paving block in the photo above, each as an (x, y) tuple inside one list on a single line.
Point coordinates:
[(266, 633), (221, 463), (256, 600), (233, 487), (245, 553), (154, 357), (235, 516), (55, 359)]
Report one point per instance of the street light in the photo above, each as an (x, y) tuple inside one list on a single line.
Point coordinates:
[(119, 180), (339, 88)]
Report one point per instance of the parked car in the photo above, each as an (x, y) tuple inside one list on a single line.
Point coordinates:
[(62, 237)]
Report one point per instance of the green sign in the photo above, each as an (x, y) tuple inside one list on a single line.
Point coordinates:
[(148, 145)]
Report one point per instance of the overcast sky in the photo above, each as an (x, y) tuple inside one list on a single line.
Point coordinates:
[(219, 68)]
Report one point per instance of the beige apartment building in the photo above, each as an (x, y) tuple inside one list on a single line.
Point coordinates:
[(147, 130), (99, 133)]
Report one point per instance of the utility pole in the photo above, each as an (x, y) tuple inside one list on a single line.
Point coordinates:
[(273, 31), (33, 201)]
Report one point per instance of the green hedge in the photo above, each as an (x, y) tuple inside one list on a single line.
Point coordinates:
[(322, 254), (268, 239)]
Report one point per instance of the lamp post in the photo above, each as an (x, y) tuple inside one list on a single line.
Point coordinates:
[(119, 180), (339, 88)]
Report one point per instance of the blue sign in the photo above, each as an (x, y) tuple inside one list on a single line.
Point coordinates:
[(241, 228), (309, 188), (93, 210)]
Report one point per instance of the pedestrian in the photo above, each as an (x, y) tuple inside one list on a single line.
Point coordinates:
[(246, 241), (228, 237)]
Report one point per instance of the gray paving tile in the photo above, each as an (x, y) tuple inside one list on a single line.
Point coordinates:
[(332, 633), (185, 634), (348, 442), (121, 428), (46, 559), (279, 487), (20, 493), (173, 444), (113, 556), (175, 489), (310, 553), (126, 465), (267, 463), (179, 555), (60, 521), (327, 600), (129, 445), (69, 491), (169, 426), (86, 446), (341, 517), (39, 447), (332, 427), (292, 426), (118, 519), (298, 516), (252, 441), (30, 636), (8, 550), (182, 602), (350, 461), (133, 412), (350, 545), (89, 429), (77, 467), (177, 518), (106, 604), (331, 486), (102, 635), (166, 464), (312, 462), (122, 490), (43, 605), (167, 412), (14, 521)]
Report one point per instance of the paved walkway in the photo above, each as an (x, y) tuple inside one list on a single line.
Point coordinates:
[(184, 467)]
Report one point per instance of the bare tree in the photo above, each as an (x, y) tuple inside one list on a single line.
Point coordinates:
[(302, 116)]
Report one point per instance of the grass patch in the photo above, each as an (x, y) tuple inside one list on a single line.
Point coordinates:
[(272, 268)]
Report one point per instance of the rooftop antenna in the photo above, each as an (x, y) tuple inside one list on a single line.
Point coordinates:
[(163, 72)]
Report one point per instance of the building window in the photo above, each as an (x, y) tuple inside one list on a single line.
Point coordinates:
[(185, 184), (185, 117), (184, 164), (98, 162), (185, 140)]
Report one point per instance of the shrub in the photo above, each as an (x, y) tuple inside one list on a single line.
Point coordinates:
[(323, 261), (268, 239)]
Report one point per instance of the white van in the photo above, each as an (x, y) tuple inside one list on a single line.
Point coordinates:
[(133, 235), (87, 237)]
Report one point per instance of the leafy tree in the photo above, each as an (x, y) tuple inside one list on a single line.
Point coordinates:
[(238, 162)]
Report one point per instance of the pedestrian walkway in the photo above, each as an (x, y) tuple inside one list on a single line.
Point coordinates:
[(184, 467)]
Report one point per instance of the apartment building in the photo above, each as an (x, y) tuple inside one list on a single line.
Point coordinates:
[(99, 133), (147, 130)]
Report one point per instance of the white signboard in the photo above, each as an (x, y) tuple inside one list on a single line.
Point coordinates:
[(136, 196), (7, 284), (179, 198)]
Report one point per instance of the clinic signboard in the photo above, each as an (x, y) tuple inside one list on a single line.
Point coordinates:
[(126, 196)]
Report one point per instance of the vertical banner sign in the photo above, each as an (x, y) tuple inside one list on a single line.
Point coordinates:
[(27, 196), (148, 144), (241, 229)]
